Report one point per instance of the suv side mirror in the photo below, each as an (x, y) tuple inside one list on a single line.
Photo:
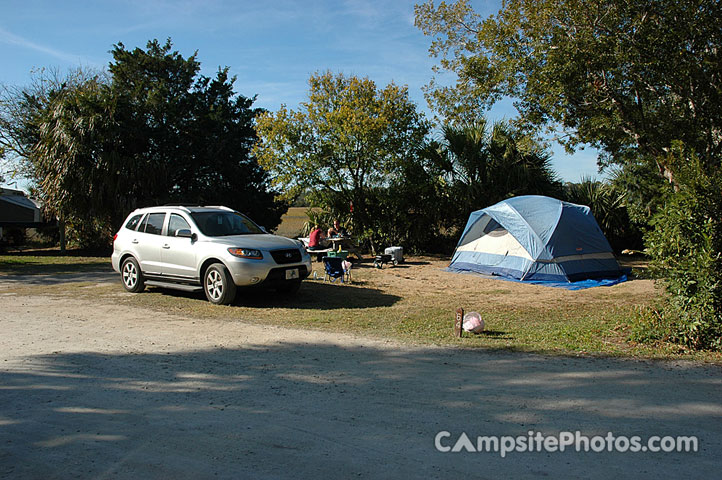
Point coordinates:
[(184, 232), (263, 229)]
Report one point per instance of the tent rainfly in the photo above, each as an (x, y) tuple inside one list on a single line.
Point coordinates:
[(535, 238)]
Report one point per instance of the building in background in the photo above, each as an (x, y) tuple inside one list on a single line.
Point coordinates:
[(18, 212)]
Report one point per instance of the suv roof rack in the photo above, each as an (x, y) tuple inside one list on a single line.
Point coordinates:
[(220, 207), (181, 206), (187, 208)]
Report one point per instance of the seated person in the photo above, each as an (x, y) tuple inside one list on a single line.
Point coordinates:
[(316, 238), (337, 230)]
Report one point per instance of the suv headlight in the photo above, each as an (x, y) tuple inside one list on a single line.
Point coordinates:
[(251, 253)]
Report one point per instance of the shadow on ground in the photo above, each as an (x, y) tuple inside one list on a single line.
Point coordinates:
[(318, 410), (55, 252), (60, 276), (312, 295)]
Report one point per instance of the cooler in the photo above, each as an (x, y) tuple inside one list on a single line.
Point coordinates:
[(397, 253)]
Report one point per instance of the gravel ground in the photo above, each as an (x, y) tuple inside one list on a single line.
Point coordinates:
[(98, 390)]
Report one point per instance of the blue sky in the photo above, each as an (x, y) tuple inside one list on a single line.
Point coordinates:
[(272, 47)]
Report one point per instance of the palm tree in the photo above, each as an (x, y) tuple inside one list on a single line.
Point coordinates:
[(485, 164)]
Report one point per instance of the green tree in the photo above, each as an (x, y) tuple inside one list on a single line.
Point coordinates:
[(414, 210), (347, 140), (192, 133), (20, 108), (627, 76), (151, 131), (686, 249), (643, 189), (79, 177)]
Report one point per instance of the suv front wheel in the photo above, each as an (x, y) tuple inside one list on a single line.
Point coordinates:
[(218, 285)]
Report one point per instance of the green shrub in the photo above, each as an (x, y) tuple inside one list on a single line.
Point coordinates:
[(90, 232), (685, 246)]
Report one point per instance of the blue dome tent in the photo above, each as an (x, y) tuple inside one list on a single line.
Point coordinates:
[(538, 239)]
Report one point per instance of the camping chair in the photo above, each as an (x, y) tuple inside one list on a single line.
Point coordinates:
[(336, 268)]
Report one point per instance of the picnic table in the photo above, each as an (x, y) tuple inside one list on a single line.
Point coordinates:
[(319, 253), (345, 242)]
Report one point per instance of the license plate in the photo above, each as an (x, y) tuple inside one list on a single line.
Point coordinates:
[(291, 274)]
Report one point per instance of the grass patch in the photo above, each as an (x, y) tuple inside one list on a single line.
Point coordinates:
[(415, 302)]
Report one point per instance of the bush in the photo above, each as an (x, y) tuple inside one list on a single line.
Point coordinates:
[(89, 232), (685, 246)]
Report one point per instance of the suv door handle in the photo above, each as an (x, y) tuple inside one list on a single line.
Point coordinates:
[(134, 241), (166, 246)]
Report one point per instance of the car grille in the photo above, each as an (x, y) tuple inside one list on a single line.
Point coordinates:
[(292, 255)]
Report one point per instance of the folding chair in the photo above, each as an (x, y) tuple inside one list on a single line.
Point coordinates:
[(336, 268)]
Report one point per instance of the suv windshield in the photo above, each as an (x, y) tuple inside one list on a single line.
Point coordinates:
[(220, 224)]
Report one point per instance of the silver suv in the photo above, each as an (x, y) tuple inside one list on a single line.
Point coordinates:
[(214, 248)]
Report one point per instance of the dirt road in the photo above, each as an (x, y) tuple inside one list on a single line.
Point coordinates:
[(92, 390)]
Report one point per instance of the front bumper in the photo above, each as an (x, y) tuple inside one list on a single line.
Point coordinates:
[(266, 272), (277, 276)]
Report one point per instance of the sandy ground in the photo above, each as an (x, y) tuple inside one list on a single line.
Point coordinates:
[(97, 390)]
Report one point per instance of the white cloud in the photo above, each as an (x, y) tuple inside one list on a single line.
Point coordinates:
[(12, 39)]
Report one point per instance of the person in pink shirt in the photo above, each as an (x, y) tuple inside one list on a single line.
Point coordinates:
[(316, 238)]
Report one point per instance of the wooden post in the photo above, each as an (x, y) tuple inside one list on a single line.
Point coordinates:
[(458, 323)]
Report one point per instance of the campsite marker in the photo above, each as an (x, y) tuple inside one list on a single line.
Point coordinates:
[(458, 330)]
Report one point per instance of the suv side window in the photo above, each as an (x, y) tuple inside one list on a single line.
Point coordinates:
[(133, 222), (176, 223), (154, 223)]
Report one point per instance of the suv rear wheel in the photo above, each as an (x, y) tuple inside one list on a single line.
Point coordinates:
[(218, 285), (132, 277)]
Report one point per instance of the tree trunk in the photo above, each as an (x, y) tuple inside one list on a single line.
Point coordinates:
[(61, 228)]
